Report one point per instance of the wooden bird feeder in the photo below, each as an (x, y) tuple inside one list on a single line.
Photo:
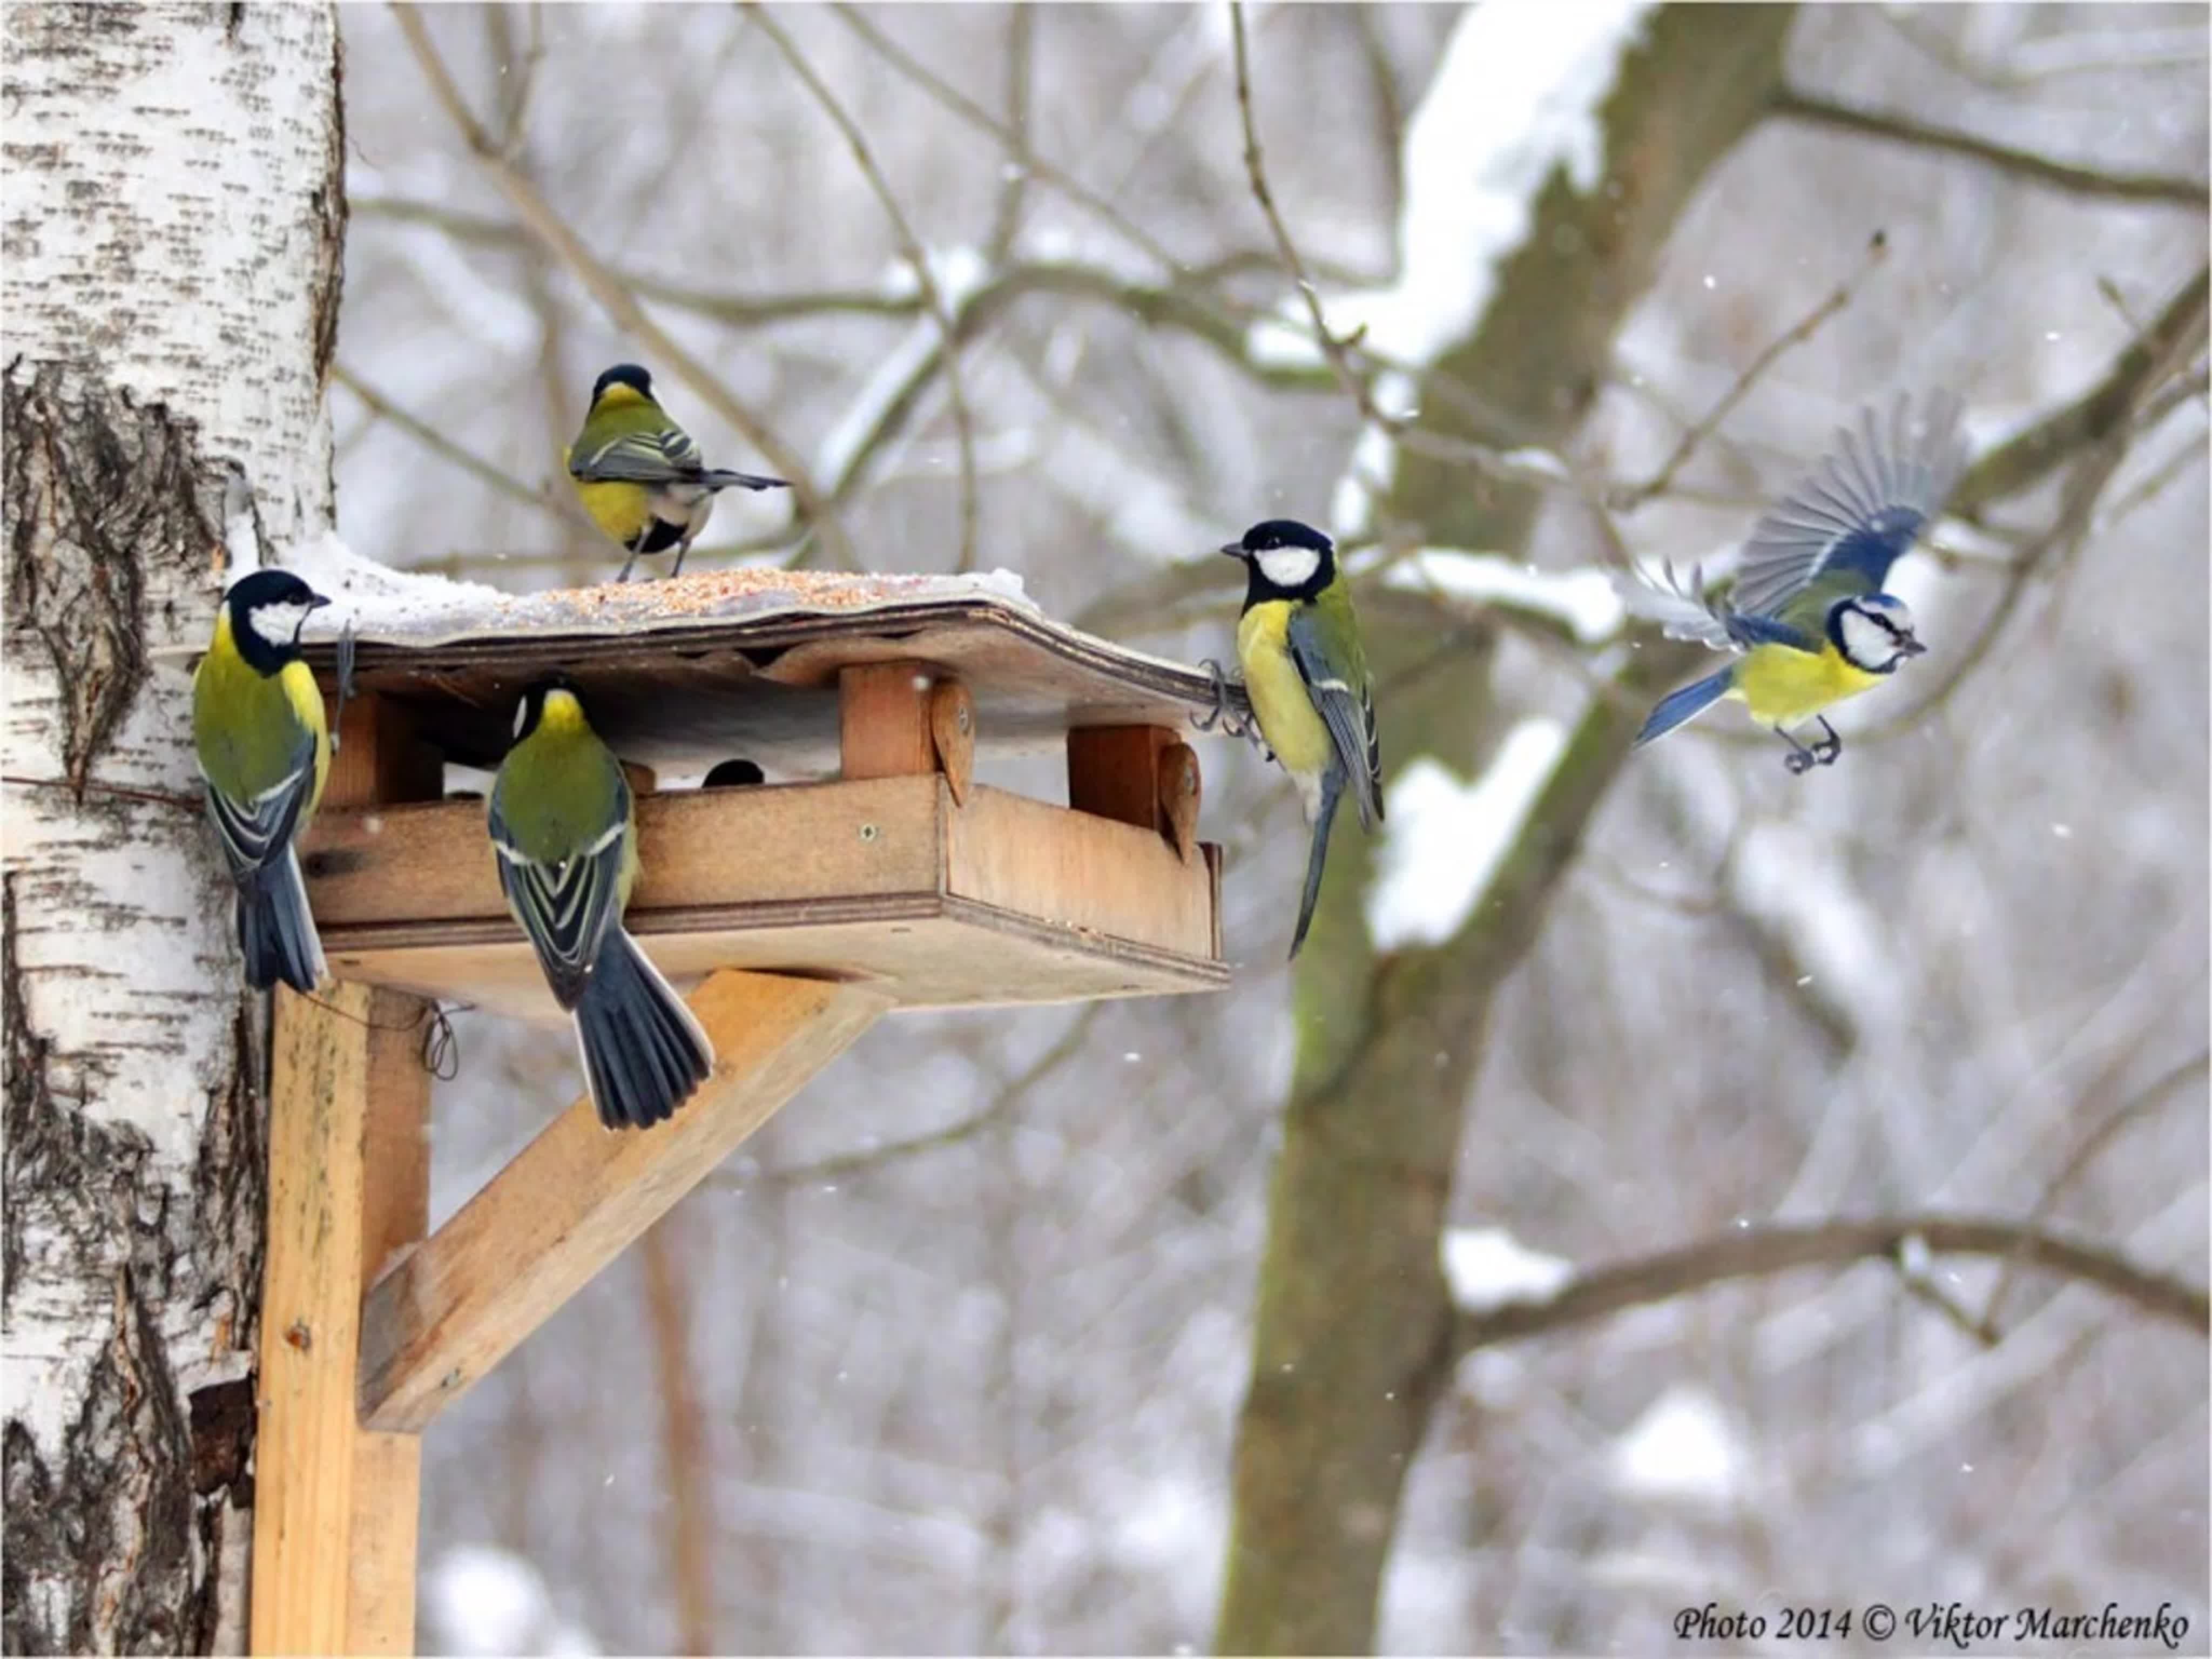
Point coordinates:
[(873, 873)]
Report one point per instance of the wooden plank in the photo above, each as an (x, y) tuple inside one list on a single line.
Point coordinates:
[(572, 1198), (334, 1509), (433, 863), (1079, 872), (1181, 794), (952, 954), (882, 721), (381, 756), (952, 734), (1113, 772)]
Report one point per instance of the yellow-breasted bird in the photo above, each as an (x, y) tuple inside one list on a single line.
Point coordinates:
[(264, 750), (639, 474), (1807, 615), (561, 825), (1306, 677)]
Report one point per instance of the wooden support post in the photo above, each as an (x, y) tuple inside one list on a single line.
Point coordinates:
[(335, 1506), (1140, 774), (882, 721), (570, 1200)]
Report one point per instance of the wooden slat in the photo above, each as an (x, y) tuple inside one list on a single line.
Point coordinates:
[(1181, 794), (1113, 772), (335, 1507), (578, 1194), (952, 734), (950, 954), (433, 862), (381, 756), (1081, 871), (882, 721)]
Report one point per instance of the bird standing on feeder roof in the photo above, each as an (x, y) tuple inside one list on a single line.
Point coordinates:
[(264, 750), (639, 474), (1306, 677), (1807, 612), (561, 825)]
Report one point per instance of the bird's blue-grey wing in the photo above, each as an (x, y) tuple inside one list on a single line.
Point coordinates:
[(565, 906), (1695, 612), (1347, 710), (1869, 499), (256, 831), (665, 456)]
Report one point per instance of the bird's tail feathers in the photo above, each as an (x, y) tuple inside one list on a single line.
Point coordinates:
[(644, 1051), (1677, 708), (720, 478), (276, 930), (1332, 786)]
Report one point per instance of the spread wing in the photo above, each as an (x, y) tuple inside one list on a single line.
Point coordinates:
[(565, 908), (1696, 613), (1870, 501), (257, 830), (663, 455), (1346, 699)]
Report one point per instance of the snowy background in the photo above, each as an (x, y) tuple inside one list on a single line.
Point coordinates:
[(979, 1396)]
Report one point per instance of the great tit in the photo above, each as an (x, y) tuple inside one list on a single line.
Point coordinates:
[(562, 827), (1306, 677), (639, 474), (264, 750), (1807, 615)]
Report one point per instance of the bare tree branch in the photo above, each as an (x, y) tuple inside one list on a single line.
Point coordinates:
[(2019, 163), (917, 255), (609, 289), (1762, 1252), (443, 447), (1806, 327)]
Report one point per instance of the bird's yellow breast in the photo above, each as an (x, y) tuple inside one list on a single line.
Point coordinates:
[(1781, 686), (1280, 698), (623, 510)]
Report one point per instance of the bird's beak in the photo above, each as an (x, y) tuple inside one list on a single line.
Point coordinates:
[(1911, 647), (1234, 549), (317, 601)]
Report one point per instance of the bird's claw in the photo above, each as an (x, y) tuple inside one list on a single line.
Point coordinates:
[(1221, 716), (1826, 748), (1799, 761)]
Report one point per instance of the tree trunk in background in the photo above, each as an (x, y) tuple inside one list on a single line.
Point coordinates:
[(174, 228), (1350, 1347)]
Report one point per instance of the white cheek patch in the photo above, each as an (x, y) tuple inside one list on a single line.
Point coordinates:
[(1289, 567), (1868, 644), (521, 717), (279, 624)]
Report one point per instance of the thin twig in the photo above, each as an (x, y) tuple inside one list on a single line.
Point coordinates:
[(440, 445), (917, 255), (1006, 217), (151, 797), (1761, 1252), (2143, 1101), (2019, 163), (1803, 330), (1256, 170), (613, 295), (1064, 1049)]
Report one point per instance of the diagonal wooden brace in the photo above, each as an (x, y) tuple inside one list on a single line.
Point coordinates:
[(569, 1201)]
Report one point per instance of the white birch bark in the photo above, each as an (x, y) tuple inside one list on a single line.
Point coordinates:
[(173, 234)]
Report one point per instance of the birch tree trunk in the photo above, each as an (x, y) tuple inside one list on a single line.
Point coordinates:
[(173, 237), (1352, 1344)]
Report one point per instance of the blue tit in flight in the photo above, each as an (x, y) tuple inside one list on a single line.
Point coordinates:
[(1807, 616), (264, 751), (1306, 677), (566, 845), (639, 475)]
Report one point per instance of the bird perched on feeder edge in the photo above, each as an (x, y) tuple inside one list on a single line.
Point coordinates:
[(561, 825), (639, 475), (1806, 614), (264, 749), (1306, 677)]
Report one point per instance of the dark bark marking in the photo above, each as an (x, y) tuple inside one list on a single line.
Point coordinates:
[(98, 491)]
